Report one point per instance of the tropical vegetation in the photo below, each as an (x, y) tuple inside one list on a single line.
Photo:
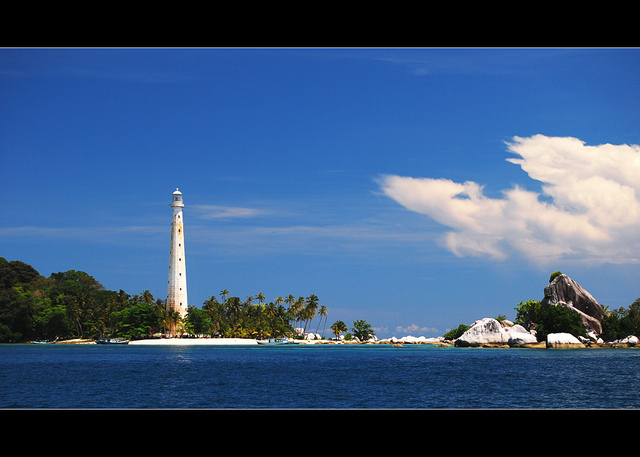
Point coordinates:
[(456, 333), (620, 323), (73, 304), (362, 330), (548, 319)]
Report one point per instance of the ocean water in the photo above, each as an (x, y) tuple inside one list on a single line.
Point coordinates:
[(319, 376)]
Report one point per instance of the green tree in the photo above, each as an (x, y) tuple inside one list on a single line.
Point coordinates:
[(283, 325), (233, 313), (52, 323), (296, 309), (322, 312), (527, 313), (558, 319), (549, 319), (456, 332), (76, 290), (18, 306), (311, 305), (362, 330), (622, 322), (338, 327), (138, 320), (198, 321), (16, 272), (217, 315), (290, 300)]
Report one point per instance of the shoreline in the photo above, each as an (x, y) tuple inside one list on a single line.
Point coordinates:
[(194, 341), (394, 343)]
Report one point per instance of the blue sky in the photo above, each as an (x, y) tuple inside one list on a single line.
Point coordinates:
[(416, 189)]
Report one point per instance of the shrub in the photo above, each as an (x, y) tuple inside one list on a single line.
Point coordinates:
[(526, 313), (456, 332), (554, 275)]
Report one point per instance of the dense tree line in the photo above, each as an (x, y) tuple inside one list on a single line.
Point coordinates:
[(73, 304), (620, 323), (236, 318)]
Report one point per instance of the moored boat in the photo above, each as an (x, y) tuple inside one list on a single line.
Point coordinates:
[(112, 341), (273, 341)]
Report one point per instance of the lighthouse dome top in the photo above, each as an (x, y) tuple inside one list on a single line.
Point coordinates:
[(177, 198)]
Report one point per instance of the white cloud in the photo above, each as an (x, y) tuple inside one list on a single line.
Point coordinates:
[(415, 330), (590, 209), (225, 212)]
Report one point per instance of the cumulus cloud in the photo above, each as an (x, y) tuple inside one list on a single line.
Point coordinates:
[(414, 329), (589, 208)]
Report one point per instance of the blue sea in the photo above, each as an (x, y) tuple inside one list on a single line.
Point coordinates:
[(316, 376)]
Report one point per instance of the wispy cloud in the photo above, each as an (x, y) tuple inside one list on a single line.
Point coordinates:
[(96, 234), (589, 208), (225, 212), (347, 240), (249, 231)]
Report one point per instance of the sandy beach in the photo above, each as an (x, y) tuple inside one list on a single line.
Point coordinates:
[(194, 341)]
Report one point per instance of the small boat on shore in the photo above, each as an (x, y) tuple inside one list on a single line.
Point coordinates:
[(274, 341), (112, 341)]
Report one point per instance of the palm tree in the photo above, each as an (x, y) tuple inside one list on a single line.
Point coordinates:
[(271, 311), (322, 312), (215, 311), (258, 313), (338, 327), (223, 294), (160, 310), (290, 300), (297, 310), (282, 314), (310, 309), (147, 297), (173, 319), (260, 297)]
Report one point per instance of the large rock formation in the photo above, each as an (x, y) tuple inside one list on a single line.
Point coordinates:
[(563, 341), (483, 331), (490, 332), (519, 336), (564, 291)]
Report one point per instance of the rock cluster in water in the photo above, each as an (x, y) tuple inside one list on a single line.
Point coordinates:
[(491, 332), (561, 291)]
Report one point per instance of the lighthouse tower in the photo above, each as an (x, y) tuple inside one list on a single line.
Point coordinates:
[(177, 289)]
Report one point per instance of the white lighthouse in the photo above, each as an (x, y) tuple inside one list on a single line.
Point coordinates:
[(177, 289)]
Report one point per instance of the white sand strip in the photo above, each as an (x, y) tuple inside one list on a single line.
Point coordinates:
[(194, 341)]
